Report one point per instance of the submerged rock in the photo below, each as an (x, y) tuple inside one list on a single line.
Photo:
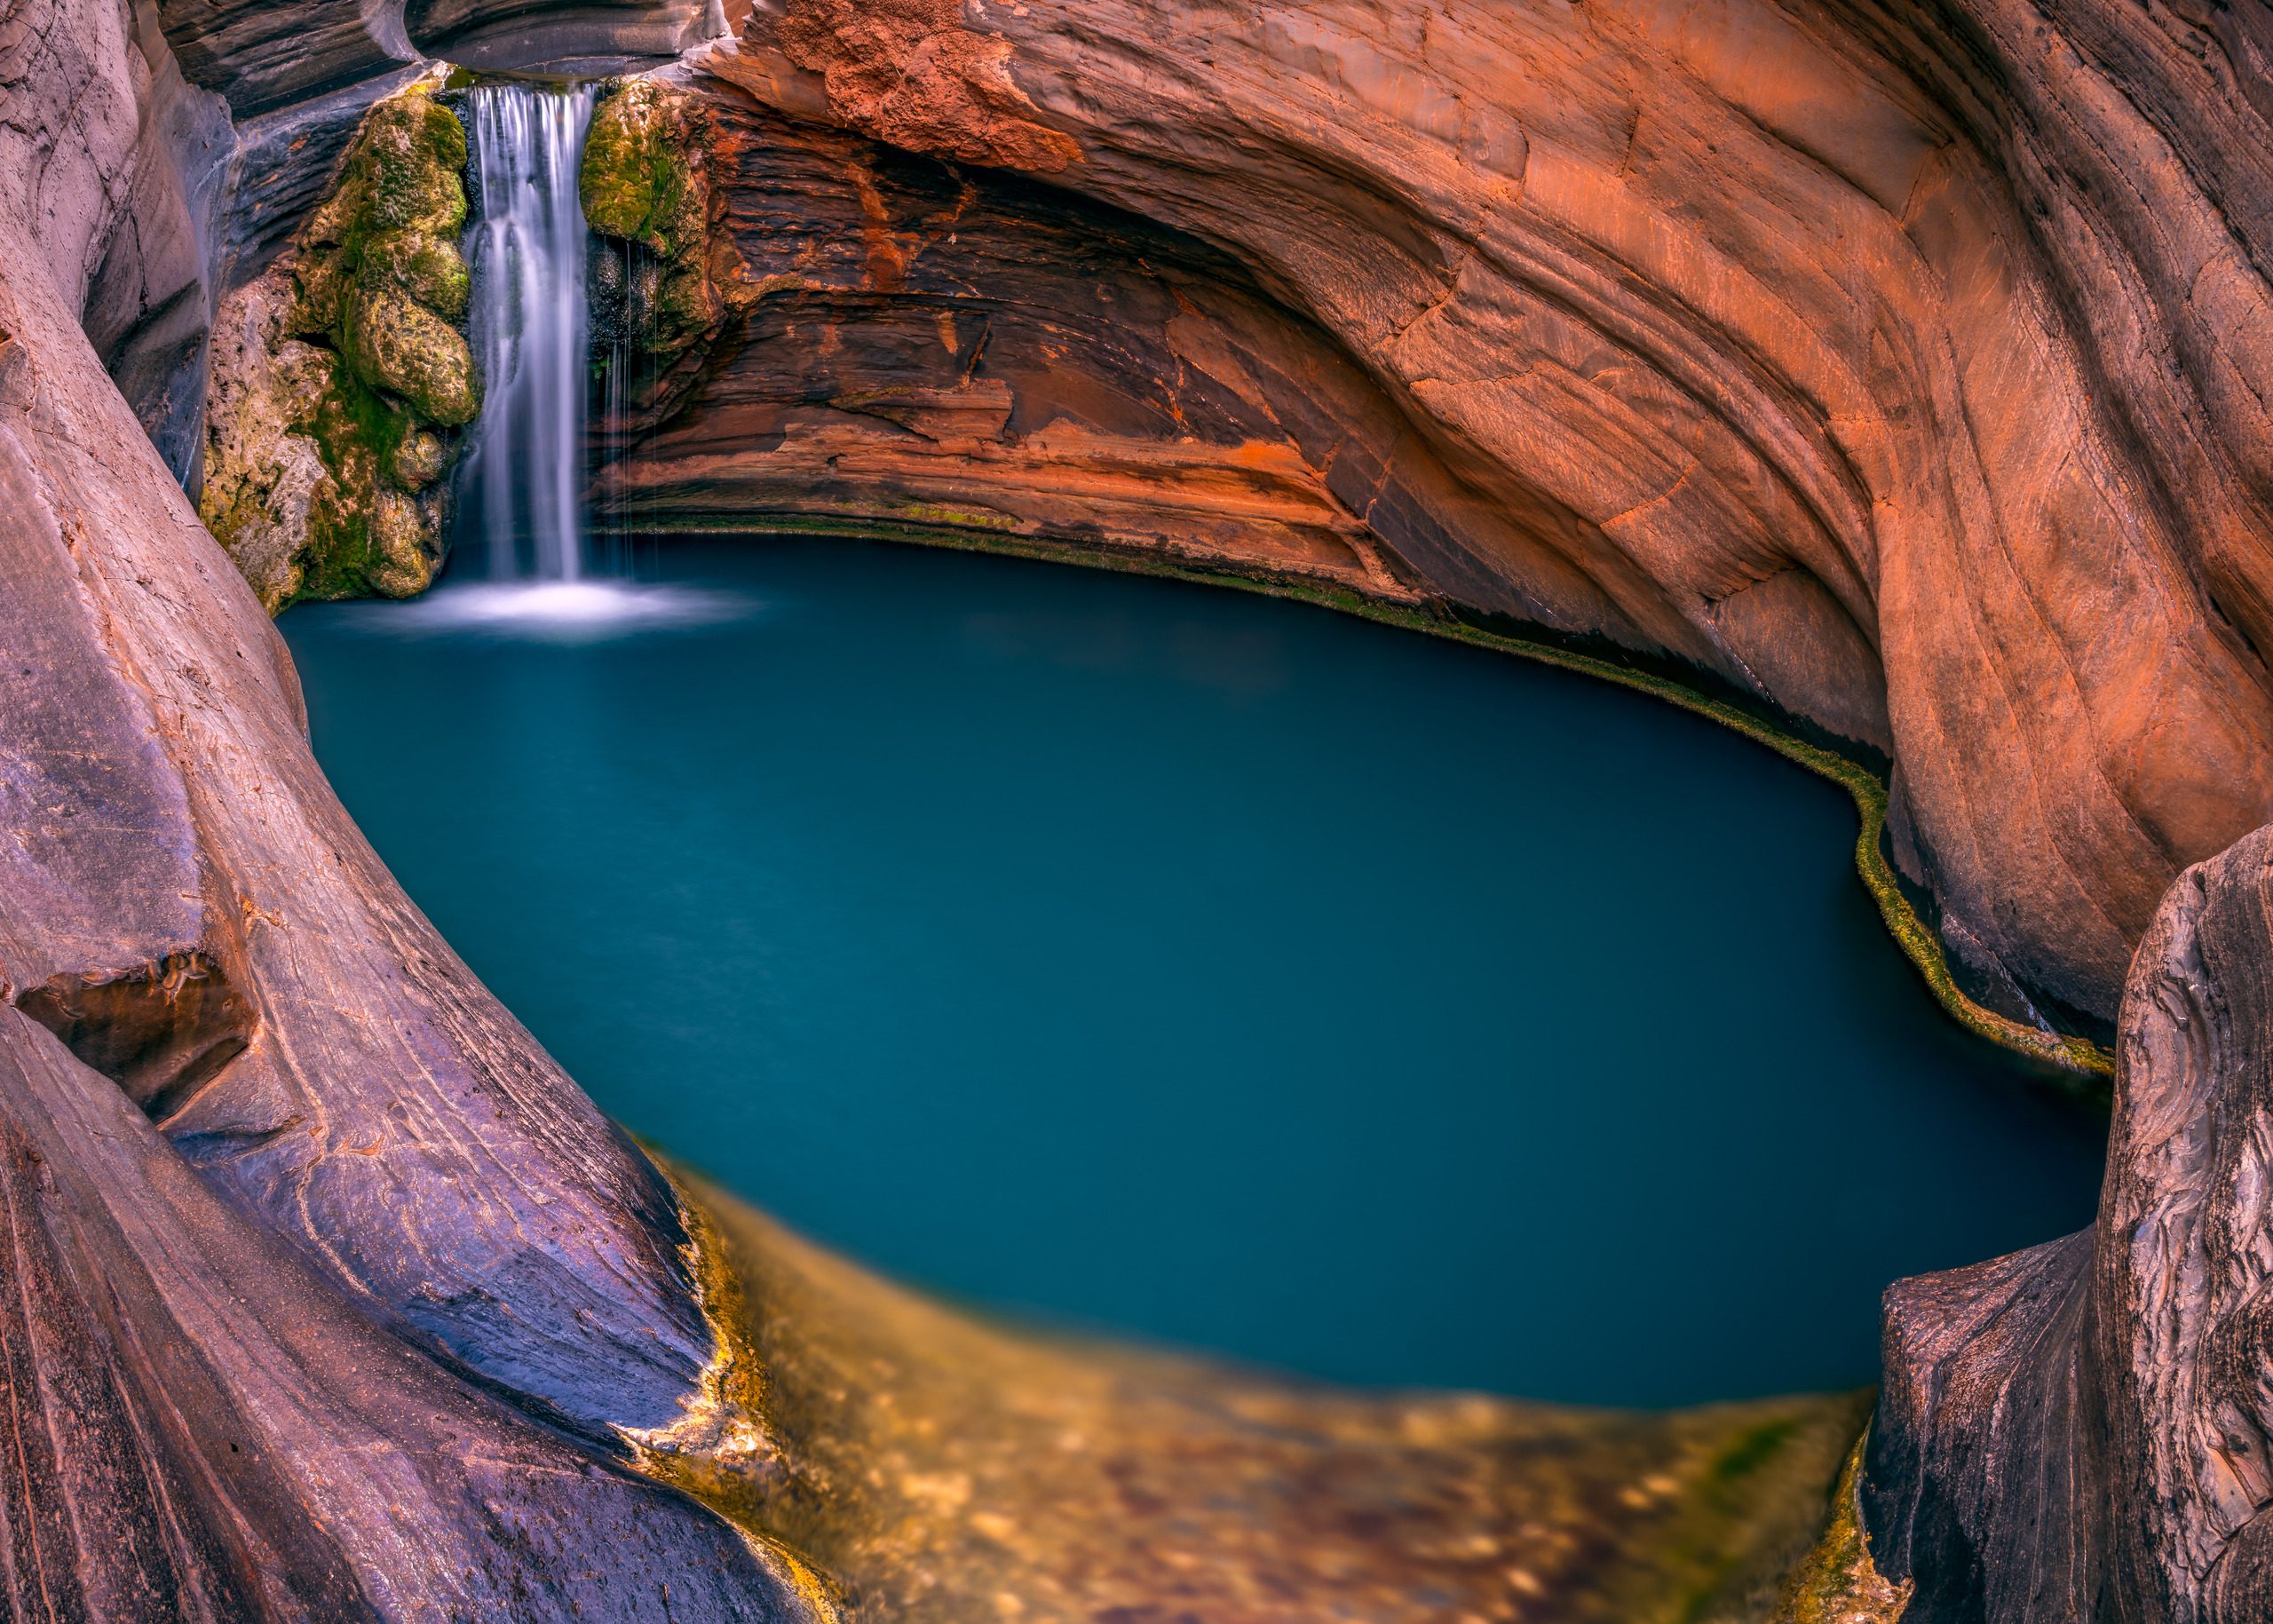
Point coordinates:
[(944, 1469)]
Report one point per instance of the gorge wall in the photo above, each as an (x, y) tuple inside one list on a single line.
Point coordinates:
[(328, 1294), (1901, 366)]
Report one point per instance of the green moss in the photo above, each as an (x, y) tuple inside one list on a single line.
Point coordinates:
[(1837, 1582), (381, 284), (397, 344), (642, 176), (421, 267), (2089, 1066)]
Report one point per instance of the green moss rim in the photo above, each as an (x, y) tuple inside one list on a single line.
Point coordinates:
[(2085, 1067)]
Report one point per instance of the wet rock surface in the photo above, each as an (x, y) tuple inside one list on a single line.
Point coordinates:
[(203, 1427)]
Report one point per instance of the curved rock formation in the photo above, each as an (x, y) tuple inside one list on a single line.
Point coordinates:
[(934, 348), (329, 1293), (2082, 1430), (1901, 361)]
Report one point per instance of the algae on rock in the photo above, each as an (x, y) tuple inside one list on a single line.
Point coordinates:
[(668, 280), (351, 355)]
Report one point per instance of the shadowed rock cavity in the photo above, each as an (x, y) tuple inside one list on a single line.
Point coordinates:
[(500, 35), (2081, 1431), (160, 1031)]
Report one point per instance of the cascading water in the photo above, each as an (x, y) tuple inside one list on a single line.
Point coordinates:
[(521, 489), (531, 329)]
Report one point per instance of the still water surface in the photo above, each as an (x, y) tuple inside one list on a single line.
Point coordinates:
[(1221, 970)]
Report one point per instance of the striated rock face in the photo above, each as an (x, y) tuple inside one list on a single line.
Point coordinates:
[(509, 34), (2082, 1430), (1887, 360), (204, 1429), (937, 349), (329, 1293)]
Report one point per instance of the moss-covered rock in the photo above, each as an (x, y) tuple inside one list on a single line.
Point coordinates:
[(368, 535), (673, 279), (430, 270), (263, 473), (419, 460), (398, 345), (380, 374), (645, 177)]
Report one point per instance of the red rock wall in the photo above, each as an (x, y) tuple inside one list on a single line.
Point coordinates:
[(1904, 365)]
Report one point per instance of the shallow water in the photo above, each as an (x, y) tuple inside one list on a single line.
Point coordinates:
[(1212, 968)]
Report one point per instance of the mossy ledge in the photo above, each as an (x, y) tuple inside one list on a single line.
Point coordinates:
[(2082, 1067), (382, 378), (1837, 1582), (671, 280)]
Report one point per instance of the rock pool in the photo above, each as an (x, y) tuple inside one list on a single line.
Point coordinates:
[(1199, 967)]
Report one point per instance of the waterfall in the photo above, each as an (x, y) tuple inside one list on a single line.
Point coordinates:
[(531, 325), (521, 488)]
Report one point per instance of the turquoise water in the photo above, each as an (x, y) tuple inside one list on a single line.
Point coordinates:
[(1216, 970)]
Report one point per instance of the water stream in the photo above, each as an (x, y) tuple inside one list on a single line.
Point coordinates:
[(523, 483)]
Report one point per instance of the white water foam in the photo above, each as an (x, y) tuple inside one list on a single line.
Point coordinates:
[(561, 611)]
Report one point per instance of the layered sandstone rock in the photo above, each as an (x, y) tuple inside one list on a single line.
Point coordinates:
[(1901, 365), (933, 349)]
